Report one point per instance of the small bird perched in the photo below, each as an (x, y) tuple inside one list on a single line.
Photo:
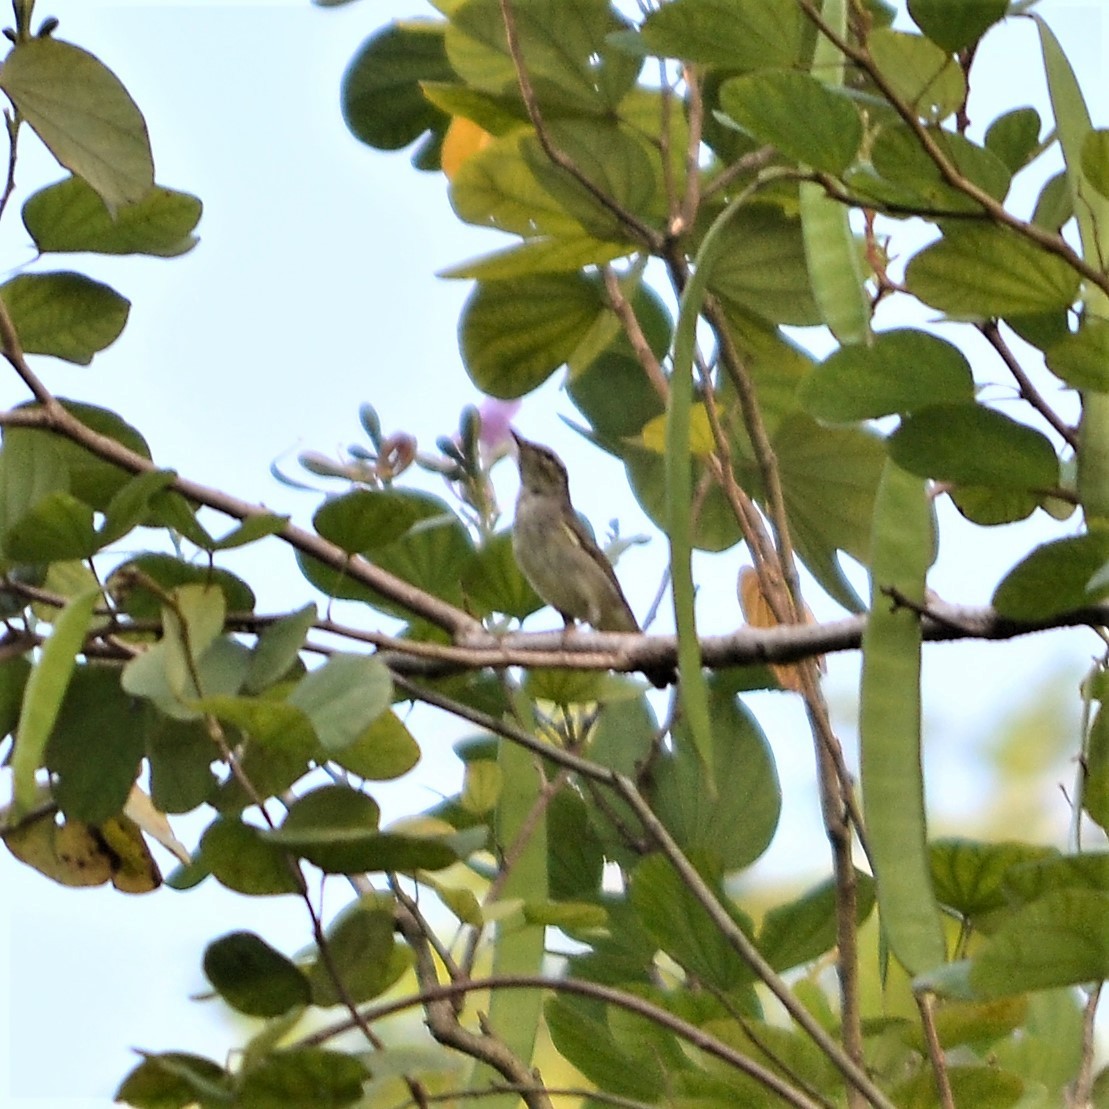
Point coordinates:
[(558, 555)]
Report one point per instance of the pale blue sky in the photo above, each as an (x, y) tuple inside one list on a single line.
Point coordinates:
[(312, 291)]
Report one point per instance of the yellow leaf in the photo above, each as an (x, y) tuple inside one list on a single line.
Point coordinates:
[(463, 140), (758, 613), (701, 444)]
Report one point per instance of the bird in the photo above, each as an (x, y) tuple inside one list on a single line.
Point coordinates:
[(559, 557)]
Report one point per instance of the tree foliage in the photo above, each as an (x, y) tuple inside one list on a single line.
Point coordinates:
[(675, 192)]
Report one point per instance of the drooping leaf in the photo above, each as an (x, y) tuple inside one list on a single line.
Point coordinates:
[(302, 1076), (343, 698), (67, 315), (361, 951), (973, 445), (955, 26), (254, 978), (384, 750), (1059, 939), (1013, 136), (982, 270), (920, 72), (902, 370), (1055, 577), (739, 34), (240, 859), (801, 116), (84, 115), (516, 334), (382, 102), (71, 216), (173, 1080)]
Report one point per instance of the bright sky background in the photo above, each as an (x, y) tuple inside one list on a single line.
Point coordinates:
[(311, 292)]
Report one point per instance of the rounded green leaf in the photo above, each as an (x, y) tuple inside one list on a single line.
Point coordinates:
[(241, 860), (900, 371), (734, 828), (366, 519), (382, 102), (170, 573), (805, 119), (971, 877), (361, 950), (385, 750), (493, 581), (1059, 939), (254, 978), (71, 216), (56, 528), (972, 445), (957, 25), (301, 1076), (67, 315), (920, 72), (1055, 577), (172, 1080), (739, 34), (84, 115), (515, 334), (762, 267), (343, 698), (981, 271), (1013, 137), (1081, 358)]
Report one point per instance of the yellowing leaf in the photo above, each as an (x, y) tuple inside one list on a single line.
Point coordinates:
[(701, 443), (463, 139), (758, 613)]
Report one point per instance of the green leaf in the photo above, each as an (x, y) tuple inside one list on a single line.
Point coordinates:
[(1014, 136), (91, 479), (276, 725), (956, 24), (984, 1086), (1095, 771), (70, 216), (1055, 577), (385, 750), (381, 98), (250, 530), (762, 267), (889, 724), (130, 505), (1095, 160), (581, 1034), (900, 371), (278, 649), (971, 877), (174, 1080), (1048, 872), (734, 828), (575, 860), (345, 850), (516, 334), (1081, 358), (360, 949), (804, 929), (738, 34), (919, 71), (493, 581), (240, 859), (302, 1076), (254, 978), (681, 926), (84, 115), (343, 698), (170, 573), (980, 271), (561, 254), (571, 65), (496, 188), (613, 158), (1058, 940), (972, 445), (366, 519), (43, 695), (805, 119), (180, 756), (67, 315), (95, 715), (58, 527)]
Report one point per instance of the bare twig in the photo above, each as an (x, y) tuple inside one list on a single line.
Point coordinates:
[(926, 1003)]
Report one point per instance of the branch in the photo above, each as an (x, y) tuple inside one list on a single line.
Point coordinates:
[(52, 417)]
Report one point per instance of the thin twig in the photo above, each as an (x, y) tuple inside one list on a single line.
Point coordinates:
[(926, 1003)]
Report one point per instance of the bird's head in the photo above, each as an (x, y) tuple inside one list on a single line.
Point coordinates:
[(541, 470)]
